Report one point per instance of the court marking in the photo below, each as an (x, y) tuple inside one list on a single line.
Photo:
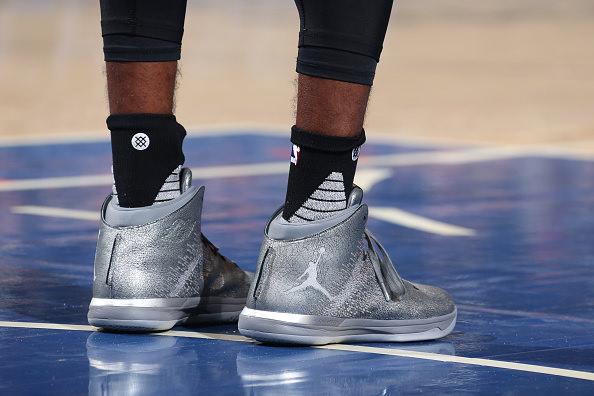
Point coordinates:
[(410, 220), (394, 352), (530, 368), (461, 156), (276, 130), (48, 211), (366, 178), (393, 215), (444, 157), (525, 314)]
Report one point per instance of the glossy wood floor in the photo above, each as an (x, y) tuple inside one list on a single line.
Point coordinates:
[(509, 234), (479, 172)]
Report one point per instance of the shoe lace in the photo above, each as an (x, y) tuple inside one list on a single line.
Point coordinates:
[(389, 280), (213, 248), (209, 244)]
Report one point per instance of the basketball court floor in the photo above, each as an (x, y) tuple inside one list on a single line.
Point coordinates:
[(509, 233), (478, 170)]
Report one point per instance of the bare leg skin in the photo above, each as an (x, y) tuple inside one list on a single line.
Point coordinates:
[(141, 87), (331, 107), (141, 99)]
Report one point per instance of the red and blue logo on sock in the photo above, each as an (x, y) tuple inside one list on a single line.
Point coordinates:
[(295, 154)]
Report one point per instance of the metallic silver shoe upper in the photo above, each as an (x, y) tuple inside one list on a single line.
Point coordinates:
[(338, 270), (160, 252), (158, 259)]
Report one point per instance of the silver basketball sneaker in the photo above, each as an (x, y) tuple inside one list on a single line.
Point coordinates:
[(330, 281), (154, 269)]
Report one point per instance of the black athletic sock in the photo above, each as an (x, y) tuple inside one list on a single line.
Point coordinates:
[(321, 174), (147, 149)]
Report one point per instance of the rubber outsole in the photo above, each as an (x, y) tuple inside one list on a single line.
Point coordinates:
[(279, 328), (153, 315)]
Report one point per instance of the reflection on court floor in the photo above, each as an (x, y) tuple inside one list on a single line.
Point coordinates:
[(509, 233)]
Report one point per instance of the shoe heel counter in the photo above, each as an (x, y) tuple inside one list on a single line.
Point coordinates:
[(309, 275), (160, 259), (103, 255), (266, 257)]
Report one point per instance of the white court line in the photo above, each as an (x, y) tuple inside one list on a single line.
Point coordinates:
[(452, 157), (526, 314), (275, 168), (102, 136), (366, 178), (409, 220), (56, 212), (212, 172), (392, 215), (530, 368), (55, 182), (277, 130)]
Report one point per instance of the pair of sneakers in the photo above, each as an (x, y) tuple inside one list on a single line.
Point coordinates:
[(321, 282)]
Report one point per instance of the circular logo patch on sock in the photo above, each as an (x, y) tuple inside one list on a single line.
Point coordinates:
[(355, 153), (140, 141)]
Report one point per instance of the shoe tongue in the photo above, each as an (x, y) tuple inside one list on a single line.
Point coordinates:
[(356, 196), (185, 179)]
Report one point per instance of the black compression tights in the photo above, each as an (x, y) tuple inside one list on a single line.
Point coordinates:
[(338, 39)]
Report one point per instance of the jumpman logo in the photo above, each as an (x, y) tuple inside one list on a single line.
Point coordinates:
[(312, 277)]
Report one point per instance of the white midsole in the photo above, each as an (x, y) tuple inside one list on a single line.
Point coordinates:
[(177, 302), (318, 320)]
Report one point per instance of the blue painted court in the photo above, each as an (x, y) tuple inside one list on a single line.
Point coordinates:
[(508, 232)]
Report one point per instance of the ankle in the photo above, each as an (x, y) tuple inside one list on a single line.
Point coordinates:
[(321, 175), (147, 151)]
